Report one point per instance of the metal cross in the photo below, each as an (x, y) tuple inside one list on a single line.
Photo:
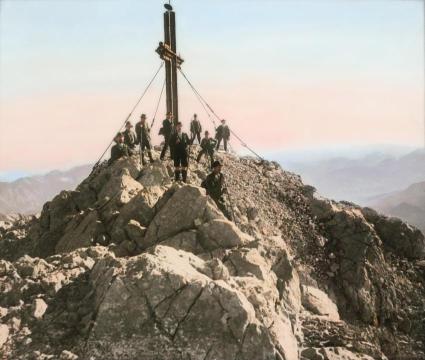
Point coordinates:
[(167, 52)]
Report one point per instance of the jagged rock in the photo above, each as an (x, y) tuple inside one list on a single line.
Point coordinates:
[(67, 355), (288, 282), (81, 231), (332, 353), (135, 231), (39, 308), (179, 310), (247, 262), (187, 241), (178, 214), (4, 333), (402, 237), (177, 280), (154, 175), (140, 208), (319, 303), (221, 233)]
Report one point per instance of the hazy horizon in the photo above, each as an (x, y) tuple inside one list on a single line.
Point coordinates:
[(284, 157), (286, 75)]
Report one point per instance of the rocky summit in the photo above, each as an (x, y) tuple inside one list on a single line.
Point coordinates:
[(133, 266)]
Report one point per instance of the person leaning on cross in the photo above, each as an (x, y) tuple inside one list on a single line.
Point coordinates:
[(167, 130), (130, 138), (179, 141), (119, 150), (143, 133), (215, 187)]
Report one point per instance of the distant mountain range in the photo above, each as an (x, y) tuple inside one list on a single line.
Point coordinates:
[(361, 180), (408, 204), (381, 178), (27, 195)]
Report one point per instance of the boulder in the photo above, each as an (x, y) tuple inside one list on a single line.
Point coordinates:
[(184, 210), (81, 231), (4, 333), (39, 308), (221, 233), (399, 236), (164, 302), (135, 231), (318, 302)]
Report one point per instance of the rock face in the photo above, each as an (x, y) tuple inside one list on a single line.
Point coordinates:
[(132, 266)]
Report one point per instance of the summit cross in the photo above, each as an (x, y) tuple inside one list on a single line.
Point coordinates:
[(168, 53)]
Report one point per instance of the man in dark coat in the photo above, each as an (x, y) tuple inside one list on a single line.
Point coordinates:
[(222, 133), (119, 150), (166, 131), (143, 133), (216, 188), (207, 147), (130, 138), (195, 129), (180, 141)]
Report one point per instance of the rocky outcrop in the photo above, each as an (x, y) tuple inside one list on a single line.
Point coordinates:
[(133, 266)]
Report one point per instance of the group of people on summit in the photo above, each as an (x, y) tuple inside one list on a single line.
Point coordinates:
[(178, 143)]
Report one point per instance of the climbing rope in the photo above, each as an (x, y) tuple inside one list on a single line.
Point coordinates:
[(157, 105), (201, 99), (131, 112)]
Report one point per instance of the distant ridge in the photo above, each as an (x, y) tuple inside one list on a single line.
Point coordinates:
[(27, 195)]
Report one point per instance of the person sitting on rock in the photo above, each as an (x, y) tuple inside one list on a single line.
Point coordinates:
[(180, 141), (143, 133), (216, 188), (207, 148), (130, 138), (167, 130), (119, 150), (222, 133), (195, 129)]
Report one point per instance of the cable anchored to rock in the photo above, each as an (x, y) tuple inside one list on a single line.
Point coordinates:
[(203, 101), (157, 105), (131, 112)]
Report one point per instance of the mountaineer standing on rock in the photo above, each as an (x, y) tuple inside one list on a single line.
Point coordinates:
[(216, 188), (143, 133), (179, 141), (130, 138), (166, 131), (207, 148), (119, 149), (195, 129), (222, 133)]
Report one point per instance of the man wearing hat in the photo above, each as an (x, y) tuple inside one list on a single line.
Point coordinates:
[(222, 133), (143, 133), (119, 150), (166, 131), (179, 141), (130, 138), (195, 129), (207, 147), (215, 187)]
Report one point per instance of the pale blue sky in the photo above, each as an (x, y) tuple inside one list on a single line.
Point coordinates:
[(279, 52)]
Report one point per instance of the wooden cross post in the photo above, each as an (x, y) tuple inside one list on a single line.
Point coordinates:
[(167, 52)]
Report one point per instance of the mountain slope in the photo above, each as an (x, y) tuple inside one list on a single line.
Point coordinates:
[(132, 266), (408, 204), (363, 178), (27, 195)]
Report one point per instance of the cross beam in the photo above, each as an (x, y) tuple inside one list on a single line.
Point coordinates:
[(167, 52)]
